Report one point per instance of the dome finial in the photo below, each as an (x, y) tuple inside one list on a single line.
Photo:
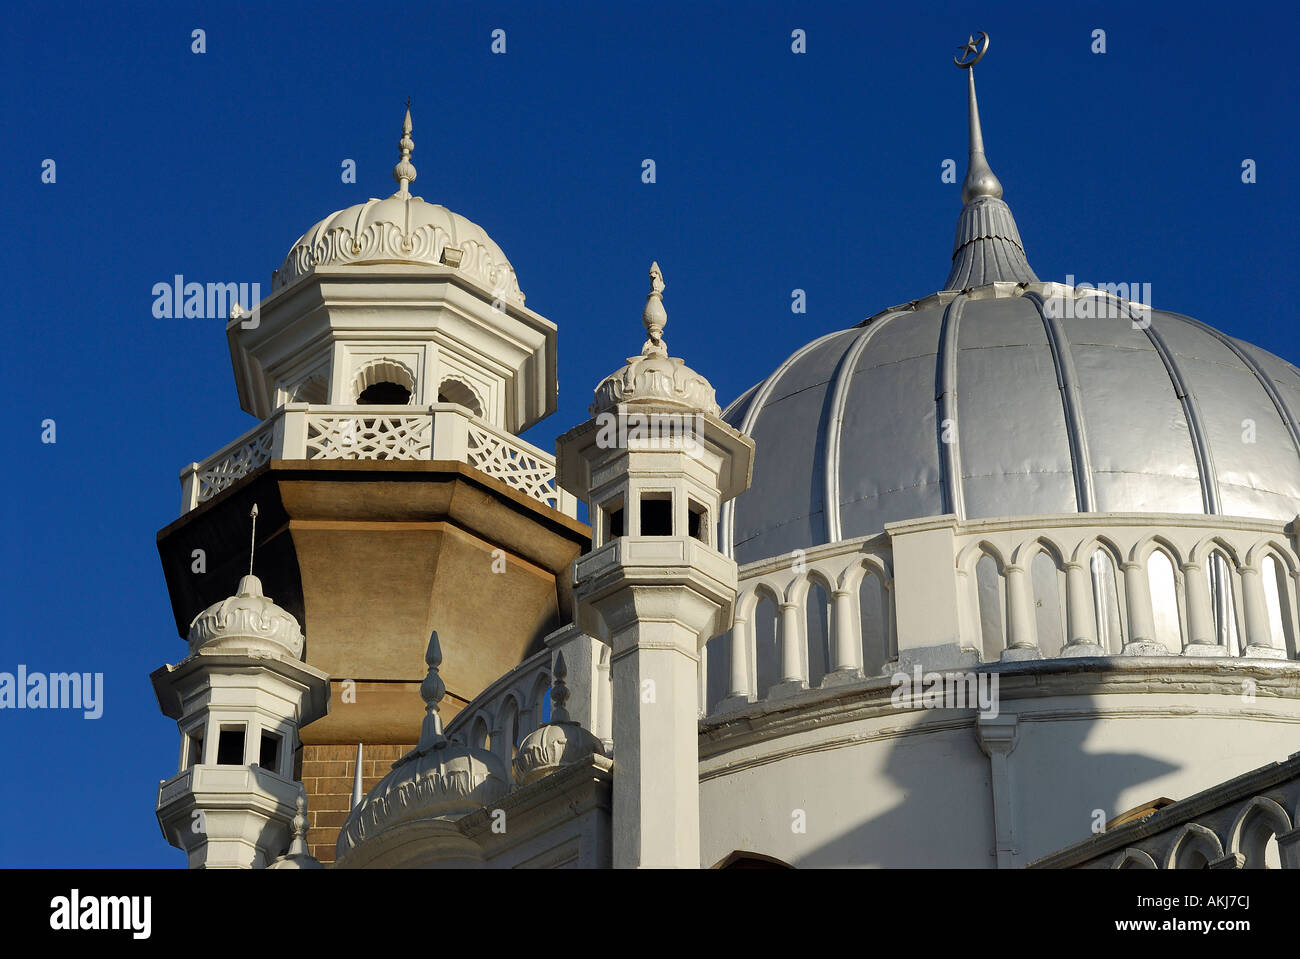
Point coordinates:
[(654, 317), (980, 181), (560, 690), (298, 847), (432, 690), (404, 172)]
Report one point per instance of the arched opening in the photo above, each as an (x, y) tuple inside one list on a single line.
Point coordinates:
[(1256, 831), (990, 601), (478, 733), (767, 655), (1223, 603), (1164, 601), (874, 601), (509, 729), (1277, 601), (1105, 598), (1195, 848), (384, 382), (1049, 610), (820, 659), (454, 391), (384, 394), (540, 711), (740, 859)]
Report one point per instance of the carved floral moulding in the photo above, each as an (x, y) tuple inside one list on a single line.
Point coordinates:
[(389, 242), (656, 378)]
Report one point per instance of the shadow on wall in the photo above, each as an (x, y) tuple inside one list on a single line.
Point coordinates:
[(1059, 787)]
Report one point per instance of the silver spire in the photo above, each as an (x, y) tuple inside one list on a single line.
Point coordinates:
[(987, 248), (980, 180)]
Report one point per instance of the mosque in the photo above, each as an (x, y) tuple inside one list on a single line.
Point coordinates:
[(1005, 576)]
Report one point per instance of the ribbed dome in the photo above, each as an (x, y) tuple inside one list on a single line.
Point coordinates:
[(400, 229), (438, 780), (1087, 412), (248, 620)]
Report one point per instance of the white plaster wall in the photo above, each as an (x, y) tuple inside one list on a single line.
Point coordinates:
[(876, 798), (912, 800), (1116, 758)]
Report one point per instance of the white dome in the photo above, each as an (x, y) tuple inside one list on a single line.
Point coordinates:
[(248, 620), (400, 229)]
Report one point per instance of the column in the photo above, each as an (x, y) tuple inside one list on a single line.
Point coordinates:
[(1022, 642), (1201, 639), (1259, 631), (738, 684), (792, 678), (1081, 616), (1141, 618), (845, 647), (656, 728)]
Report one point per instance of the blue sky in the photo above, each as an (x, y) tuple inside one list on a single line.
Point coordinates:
[(775, 171)]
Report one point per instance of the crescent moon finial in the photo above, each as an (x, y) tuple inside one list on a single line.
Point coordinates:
[(972, 51)]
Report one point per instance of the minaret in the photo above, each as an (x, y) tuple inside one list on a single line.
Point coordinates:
[(239, 700), (987, 248), (654, 464), (391, 368)]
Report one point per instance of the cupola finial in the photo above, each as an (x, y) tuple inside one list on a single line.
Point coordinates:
[(653, 317), (432, 690), (404, 172), (980, 180)]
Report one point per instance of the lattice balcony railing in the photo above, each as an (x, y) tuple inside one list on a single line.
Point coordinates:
[(334, 437), (247, 454), (444, 431), (506, 458)]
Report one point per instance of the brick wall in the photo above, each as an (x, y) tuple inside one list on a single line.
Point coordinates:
[(327, 774)]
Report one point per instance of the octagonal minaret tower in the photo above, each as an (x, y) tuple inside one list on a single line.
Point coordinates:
[(239, 700), (391, 369), (654, 464)]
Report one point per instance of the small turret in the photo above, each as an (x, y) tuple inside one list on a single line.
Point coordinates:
[(654, 464), (239, 700)]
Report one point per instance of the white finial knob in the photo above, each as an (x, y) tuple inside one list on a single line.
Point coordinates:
[(654, 317), (404, 172)]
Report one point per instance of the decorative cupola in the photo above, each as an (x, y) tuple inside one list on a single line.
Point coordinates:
[(654, 465), (561, 742), (239, 700), (409, 818), (987, 248), (397, 302)]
